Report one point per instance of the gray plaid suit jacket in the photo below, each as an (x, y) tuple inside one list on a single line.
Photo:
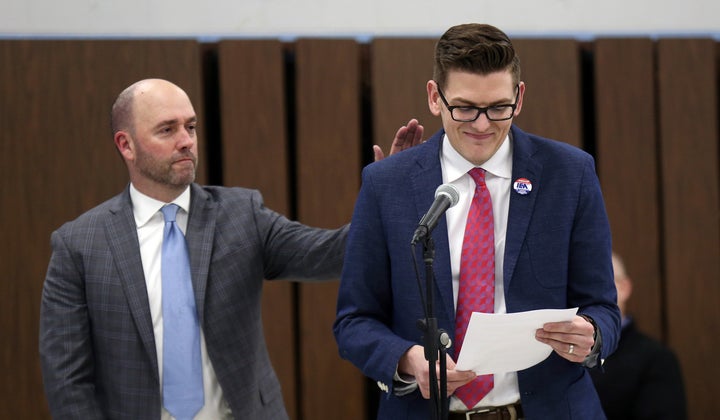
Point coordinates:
[(97, 347)]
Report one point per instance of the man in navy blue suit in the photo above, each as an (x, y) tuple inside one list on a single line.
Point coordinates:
[(551, 246)]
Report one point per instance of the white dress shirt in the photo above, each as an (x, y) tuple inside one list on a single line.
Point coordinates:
[(498, 178), (150, 223)]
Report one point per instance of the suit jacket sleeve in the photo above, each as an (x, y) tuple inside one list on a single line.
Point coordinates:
[(591, 242), (65, 346), (366, 299), (292, 249)]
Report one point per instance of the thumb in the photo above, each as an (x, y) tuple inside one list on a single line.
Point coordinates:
[(450, 362)]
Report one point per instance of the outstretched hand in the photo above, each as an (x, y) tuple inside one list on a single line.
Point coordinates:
[(406, 137)]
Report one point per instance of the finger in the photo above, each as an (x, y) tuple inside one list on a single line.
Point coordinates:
[(460, 377), (414, 133), (562, 348), (559, 337), (578, 325), (401, 136), (559, 327), (449, 362), (572, 352), (577, 340), (568, 351), (378, 153), (409, 132), (418, 135), (580, 336)]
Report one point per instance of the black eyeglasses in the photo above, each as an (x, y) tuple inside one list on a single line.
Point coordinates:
[(467, 113)]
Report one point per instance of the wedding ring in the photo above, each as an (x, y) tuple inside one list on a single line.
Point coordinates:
[(571, 349)]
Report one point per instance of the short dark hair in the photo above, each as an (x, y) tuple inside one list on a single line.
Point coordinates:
[(121, 114), (475, 48)]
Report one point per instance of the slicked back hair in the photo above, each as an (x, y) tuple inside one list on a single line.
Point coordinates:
[(474, 48)]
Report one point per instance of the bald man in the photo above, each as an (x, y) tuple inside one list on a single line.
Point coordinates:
[(101, 326)]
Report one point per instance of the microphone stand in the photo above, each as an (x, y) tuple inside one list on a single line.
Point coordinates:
[(436, 341)]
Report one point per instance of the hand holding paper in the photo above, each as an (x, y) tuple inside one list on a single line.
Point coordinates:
[(496, 343)]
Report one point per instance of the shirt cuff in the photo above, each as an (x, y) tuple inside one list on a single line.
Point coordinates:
[(403, 386), (592, 360)]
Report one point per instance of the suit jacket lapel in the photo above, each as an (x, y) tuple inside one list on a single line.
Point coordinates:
[(521, 206), (200, 236), (121, 233), (424, 183)]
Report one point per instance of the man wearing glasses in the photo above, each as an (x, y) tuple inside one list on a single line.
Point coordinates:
[(529, 231)]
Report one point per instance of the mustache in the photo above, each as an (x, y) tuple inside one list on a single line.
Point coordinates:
[(185, 155)]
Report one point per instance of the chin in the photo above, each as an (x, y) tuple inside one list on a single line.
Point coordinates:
[(183, 181)]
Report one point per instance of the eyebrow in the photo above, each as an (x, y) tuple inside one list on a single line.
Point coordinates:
[(469, 103), (174, 121)]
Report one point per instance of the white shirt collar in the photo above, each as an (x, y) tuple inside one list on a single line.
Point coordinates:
[(145, 207), (455, 165)]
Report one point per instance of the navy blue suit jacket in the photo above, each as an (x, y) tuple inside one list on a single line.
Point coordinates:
[(557, 255)]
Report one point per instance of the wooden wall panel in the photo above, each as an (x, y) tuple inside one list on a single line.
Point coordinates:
[(57, 161), (688, 132), (552, 104), (626, 145), (252, 98), (656, 142), (399, 71), (328, 162)]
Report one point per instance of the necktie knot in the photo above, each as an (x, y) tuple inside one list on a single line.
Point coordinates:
[(478, 175), (169, 212)]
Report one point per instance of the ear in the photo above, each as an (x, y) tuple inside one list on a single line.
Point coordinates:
[(433, 98), (125, 145), (628, 287), (521, 95), (624, 288)]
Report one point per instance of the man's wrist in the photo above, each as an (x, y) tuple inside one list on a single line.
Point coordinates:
[(595, 329), (593, 359)]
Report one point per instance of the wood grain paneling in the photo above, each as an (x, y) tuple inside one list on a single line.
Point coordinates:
[(252, 97), (399, 71), (57, 161), (552, 103), (655, 136), (328, 163), (626, 144), (688, 132)]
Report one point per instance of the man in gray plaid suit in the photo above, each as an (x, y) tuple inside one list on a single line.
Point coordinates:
[(101, 318)]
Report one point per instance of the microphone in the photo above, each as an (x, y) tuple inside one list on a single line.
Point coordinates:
[(446, 196)]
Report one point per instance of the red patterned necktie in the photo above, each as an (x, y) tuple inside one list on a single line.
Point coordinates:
[(477, 279)]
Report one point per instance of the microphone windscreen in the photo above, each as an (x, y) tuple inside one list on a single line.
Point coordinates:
[(450, 191)]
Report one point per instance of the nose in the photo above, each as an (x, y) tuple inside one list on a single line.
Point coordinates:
[(482, 122), (186, 139)]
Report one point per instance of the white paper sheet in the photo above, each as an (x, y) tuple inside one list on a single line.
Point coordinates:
[(497, 343)]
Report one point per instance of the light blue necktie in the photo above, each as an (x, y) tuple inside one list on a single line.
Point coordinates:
[(183, 394)]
